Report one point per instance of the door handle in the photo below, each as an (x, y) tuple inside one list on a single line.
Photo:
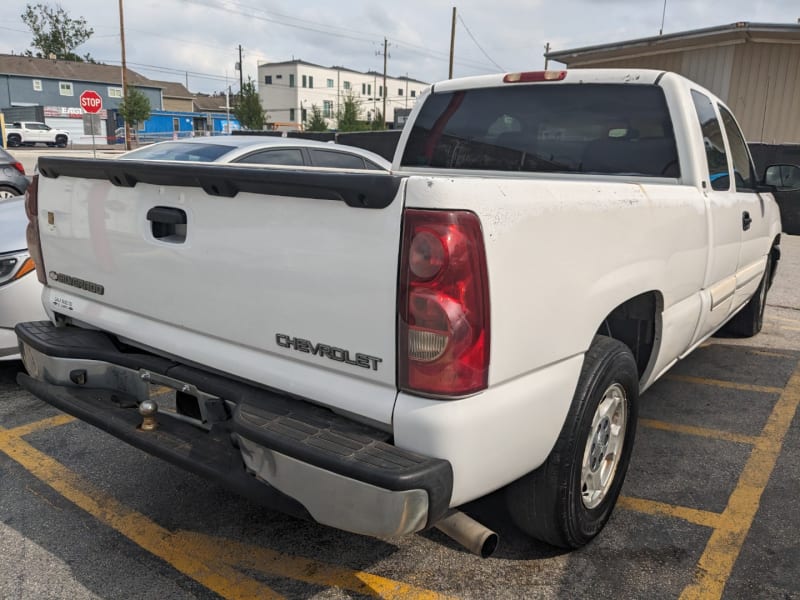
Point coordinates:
[(746, 221)]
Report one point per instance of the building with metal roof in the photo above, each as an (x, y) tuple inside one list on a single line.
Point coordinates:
[(752, 67)]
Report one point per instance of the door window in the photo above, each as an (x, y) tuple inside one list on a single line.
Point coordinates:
[(282, 156), (742, 166), (713, 141), (326, 158)]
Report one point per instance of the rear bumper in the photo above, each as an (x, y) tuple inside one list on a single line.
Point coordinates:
[(291, 455)]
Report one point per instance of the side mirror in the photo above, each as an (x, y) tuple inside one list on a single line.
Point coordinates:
[(784, 178)]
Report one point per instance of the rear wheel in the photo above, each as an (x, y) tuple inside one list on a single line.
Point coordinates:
[(568, 500), (749, 321), (8, 192), (14, 140)]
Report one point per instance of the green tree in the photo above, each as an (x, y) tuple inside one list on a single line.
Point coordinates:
[(55, 32), (135, 107), (348, 115), (248, 109), (315, 121), (377, 123)]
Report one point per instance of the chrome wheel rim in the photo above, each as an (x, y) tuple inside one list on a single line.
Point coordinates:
[(603, 450), (7, 194)]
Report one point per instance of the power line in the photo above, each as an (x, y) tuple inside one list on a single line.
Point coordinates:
[(460, 18)]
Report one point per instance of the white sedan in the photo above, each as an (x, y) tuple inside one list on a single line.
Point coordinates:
[(20, 290), (262, 150)]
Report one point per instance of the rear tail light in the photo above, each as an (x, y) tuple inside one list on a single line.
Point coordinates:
[(18, 166), (32, 232), (443, 304)]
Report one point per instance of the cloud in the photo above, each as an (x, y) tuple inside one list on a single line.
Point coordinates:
[(165, 39)]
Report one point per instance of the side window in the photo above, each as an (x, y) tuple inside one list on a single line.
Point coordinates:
[(713, 141), (282, 156), (327, 158), (742, 167)]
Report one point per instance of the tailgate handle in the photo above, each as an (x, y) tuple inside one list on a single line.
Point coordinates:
[(168, 224)]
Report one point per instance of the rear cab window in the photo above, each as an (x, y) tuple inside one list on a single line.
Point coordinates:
[(608, 129), (743, 170), (713, 141)]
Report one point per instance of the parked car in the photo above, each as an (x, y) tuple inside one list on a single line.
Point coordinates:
[(13, 181), (29, 133), (20, 290), (263, 150)]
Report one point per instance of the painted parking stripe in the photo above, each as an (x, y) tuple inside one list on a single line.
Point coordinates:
[(211, 561), (714, 434), (160, 542), (662, 509), (723, 548), (731, 385)]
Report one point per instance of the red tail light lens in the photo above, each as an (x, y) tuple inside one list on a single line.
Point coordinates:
[(534, 76), (32, 232), (18, 166), (443, 345)]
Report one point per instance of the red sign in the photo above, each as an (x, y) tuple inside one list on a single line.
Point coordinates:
[(91, 102)]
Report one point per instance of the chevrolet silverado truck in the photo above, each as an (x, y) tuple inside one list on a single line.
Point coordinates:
[(373, 350), (30, 133)]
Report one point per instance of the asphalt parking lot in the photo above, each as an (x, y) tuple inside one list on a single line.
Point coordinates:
[(709, 509)]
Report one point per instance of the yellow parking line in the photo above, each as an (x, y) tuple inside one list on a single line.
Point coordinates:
[(651, 507), (213, 562), (725, 544), (745, 387), (29, 428), (787, 328), (715, 434)]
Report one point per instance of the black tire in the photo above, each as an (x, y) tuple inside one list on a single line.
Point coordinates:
[(14, 140), (548, 503), (61, 141), (749, 321), (6, 191)]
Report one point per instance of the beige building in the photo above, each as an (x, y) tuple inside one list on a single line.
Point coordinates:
[(174, 96), (753, 67), (289, 89)]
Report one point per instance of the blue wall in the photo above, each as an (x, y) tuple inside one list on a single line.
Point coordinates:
[(161, 125)]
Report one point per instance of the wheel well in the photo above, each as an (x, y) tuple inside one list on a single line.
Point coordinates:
[(634, 324)]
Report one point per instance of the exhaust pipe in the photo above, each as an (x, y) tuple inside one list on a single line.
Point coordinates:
[(469, 533)]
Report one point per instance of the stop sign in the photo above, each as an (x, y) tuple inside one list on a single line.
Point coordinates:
[(91, 102)]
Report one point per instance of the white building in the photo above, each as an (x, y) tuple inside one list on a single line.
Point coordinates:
[(289, 89)]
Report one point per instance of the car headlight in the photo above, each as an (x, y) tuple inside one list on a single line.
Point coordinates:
[(14, 266)]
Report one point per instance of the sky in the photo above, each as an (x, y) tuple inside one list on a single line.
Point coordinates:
[(197, 40)]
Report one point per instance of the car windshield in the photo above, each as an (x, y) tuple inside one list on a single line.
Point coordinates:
[(184, 151)]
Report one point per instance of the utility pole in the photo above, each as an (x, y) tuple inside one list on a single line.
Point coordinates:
[(546, 52), (452, 43), (124, 74), (241, 71), (664, 14), (385, 91)]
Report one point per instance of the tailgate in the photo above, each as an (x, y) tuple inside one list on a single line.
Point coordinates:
[(285, 278)]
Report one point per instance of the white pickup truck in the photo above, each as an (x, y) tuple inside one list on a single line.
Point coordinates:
[(30, 133), (373, 350)]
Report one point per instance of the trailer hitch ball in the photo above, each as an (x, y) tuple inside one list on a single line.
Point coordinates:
[(148, 409)]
